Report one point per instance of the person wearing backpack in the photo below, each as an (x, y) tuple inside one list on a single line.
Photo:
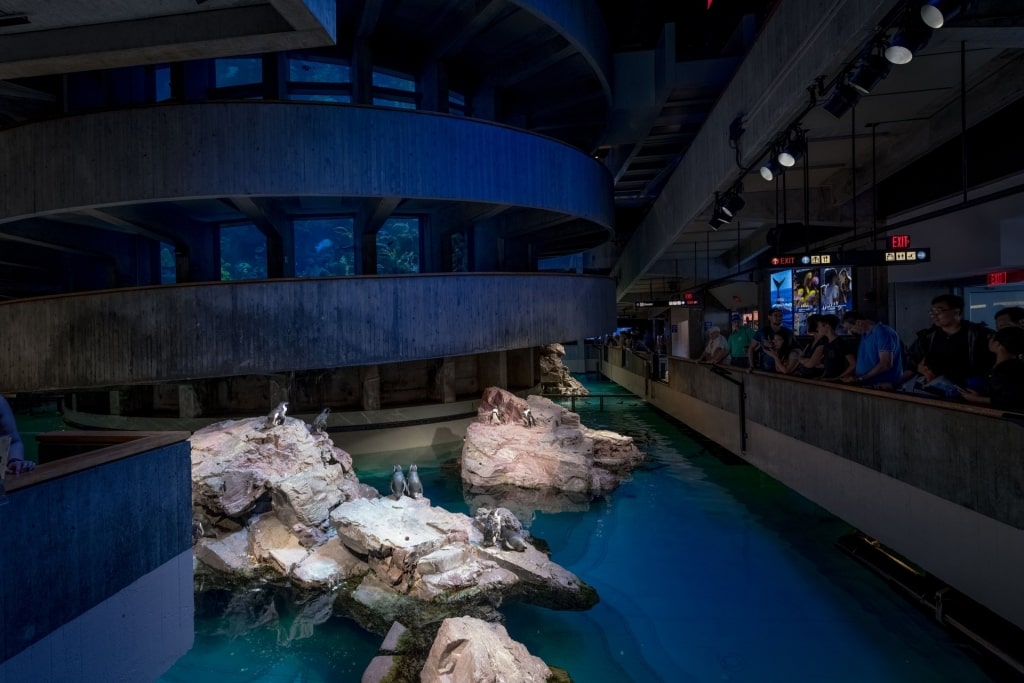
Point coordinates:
[(961, 346)]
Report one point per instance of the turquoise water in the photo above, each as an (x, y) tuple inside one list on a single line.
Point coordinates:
[(707, 570)]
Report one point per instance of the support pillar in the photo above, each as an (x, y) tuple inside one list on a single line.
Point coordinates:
[(188, 402), (484, 247), (522, 368), (277, 390), (493, 369), (115, 402), (369, 381), (442, 385)]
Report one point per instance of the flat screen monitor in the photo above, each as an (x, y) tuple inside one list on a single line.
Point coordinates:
[(802, 292)]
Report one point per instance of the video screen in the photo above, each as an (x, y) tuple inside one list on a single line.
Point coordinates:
[(802, 292), (782, 295)]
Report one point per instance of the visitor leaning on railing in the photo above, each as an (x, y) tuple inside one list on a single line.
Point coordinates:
[(879, 354), (1005, 386), (16, 462)]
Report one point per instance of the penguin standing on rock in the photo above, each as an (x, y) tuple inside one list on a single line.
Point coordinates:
[(528, 419), (414, 486), (495, 417), (399, 486), (276, 415), (320, 423)]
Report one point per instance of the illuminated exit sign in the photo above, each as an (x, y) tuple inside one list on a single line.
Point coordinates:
[(899, 241), (997, 278)]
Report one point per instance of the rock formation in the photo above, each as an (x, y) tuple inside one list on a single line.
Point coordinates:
[(554, 376), (559, 462), (468, 649), (282, 503), (419, 554)]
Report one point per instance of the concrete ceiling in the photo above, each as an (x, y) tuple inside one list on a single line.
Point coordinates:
[(913, 111), (65, 36)]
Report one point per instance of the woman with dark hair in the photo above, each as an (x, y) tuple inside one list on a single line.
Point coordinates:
[(785, 354), (1006, 379)]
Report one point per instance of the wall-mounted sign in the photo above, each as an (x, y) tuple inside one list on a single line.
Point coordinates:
[(899, 241), (997, 278), (688, 299), (805, 260), (904, 256)]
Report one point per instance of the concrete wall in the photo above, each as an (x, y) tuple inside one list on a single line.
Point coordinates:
[(938, 484), (134, 635), (71, 542), (261, 327)]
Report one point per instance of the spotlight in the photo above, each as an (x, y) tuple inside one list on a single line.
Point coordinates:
[(936, 13), (793, 150), (725, 209), (869, 73), (911, 38), (772, 169), (732, 203), (843, 99)]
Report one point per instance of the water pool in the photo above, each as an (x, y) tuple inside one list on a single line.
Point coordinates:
[(708, 570)]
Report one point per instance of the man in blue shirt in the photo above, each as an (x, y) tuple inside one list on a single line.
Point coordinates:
[(879, 355)]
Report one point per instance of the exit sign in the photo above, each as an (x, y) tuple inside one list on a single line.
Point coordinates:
[(997, 278), (899, 241)]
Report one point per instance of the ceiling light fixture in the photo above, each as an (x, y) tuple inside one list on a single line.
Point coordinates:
[(843, 99), (908, 40), (869, 73), (936, 13), (793, 149), (772, 169), (725, 208)]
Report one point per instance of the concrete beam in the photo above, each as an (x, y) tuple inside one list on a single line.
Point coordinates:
[(111, 222), (803, 40), (247, 29), (1001, 84), (276, 227), (487, 12)]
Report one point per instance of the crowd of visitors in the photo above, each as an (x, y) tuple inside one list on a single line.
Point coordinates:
[(953, 359)]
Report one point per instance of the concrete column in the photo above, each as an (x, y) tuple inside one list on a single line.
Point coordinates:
[(369, 381), (188, 402), (484, 246), (191, 81), (516, 257), (493, 369), (434, 87), (115, 402), (482, 103), (277, 389), (442, 385), (522, 367), (362, 72)]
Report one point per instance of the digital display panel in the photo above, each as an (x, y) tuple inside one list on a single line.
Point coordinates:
[(802, 292)]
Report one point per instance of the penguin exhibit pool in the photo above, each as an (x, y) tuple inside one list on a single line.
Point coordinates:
[(707, 570)]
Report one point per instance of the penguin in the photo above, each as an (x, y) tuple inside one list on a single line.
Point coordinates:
[(413, 485), (495, 417), (398, 484), (528, 418), (320, 423), (276, 415)]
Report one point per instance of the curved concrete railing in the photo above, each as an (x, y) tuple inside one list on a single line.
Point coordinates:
[(177, 152), (192, 331)]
